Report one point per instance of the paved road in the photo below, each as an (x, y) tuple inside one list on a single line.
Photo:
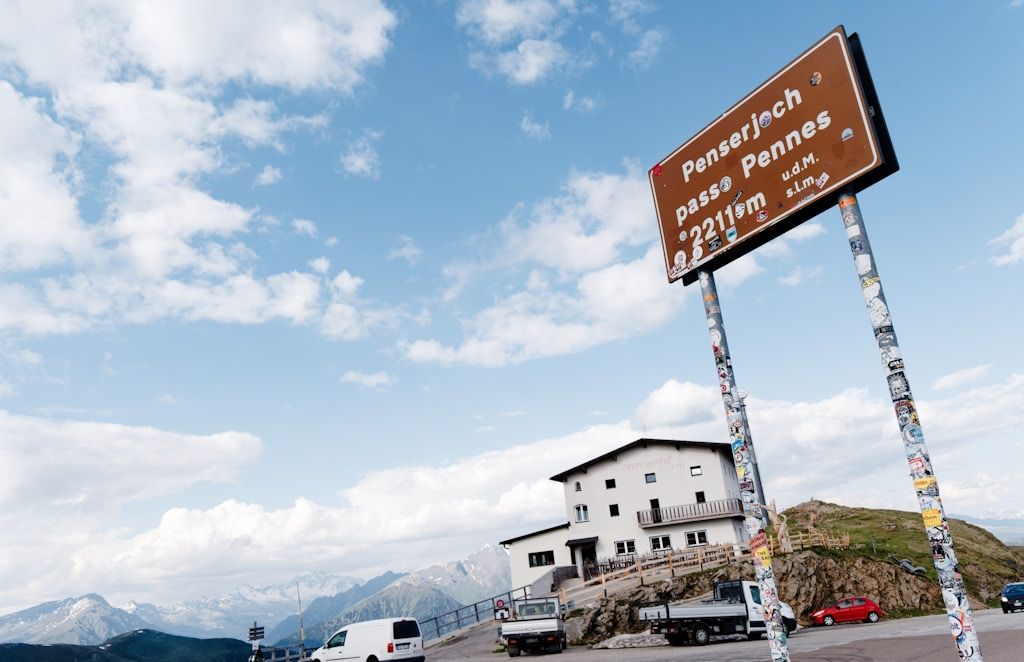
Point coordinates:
[(904, 640)]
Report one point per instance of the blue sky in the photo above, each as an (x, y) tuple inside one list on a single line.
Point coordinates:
[(339, 287)]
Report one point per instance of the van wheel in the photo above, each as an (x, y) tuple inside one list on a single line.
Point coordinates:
[(753, 635), (701, 636), (371, 659)]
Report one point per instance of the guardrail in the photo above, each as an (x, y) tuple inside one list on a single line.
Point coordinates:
[(456, 619)]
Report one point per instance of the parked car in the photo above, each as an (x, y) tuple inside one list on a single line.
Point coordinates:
[(849, 610), (382, 639), (1012, 597)]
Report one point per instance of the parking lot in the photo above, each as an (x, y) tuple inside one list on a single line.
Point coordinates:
[(923, 638)]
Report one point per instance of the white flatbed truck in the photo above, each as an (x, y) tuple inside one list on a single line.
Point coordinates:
[(537, 627), (735, 609)]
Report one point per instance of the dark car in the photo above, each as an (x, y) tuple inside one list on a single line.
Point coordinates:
[(849, 610), (1012, 597)]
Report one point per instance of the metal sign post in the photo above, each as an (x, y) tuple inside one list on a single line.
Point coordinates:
[(742, 452), (961, 620)]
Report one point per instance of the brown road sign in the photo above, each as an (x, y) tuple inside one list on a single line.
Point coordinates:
[(758, 170)]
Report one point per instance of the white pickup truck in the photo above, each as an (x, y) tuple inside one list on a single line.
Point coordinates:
[(736, 609), (537, 626)]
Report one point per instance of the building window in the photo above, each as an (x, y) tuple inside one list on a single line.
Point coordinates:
[(660, 542), (609, 483), (542, 558), (696, 538), (625, 547), (613, 510), (579, 488), (582, 514), (650, 478), (696, 471), (700, 497)]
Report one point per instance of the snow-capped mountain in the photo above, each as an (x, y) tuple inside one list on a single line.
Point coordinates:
[(85, 620), (481, 575), (232, 614)]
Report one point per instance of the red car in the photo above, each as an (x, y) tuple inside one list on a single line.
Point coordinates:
[(849, 610)]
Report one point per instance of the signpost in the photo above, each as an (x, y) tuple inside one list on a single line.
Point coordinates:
[(810, 136)]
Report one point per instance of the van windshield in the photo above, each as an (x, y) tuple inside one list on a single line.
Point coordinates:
[(406, 629)]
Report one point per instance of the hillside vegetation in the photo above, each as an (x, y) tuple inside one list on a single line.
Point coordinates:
[(986, 563), (815, 578), (137, 646)]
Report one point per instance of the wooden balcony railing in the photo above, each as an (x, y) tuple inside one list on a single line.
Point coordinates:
[(690, 512)]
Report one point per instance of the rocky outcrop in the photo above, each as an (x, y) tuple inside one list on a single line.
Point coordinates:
[(807, 580)]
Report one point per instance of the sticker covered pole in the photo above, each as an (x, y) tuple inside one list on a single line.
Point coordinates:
[(951, 583), (742, 452)]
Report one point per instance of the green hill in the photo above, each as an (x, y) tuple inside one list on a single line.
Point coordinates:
[(137, 646), (986, 563)]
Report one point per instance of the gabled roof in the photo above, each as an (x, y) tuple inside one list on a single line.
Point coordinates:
[(535, 533), (641, 443)]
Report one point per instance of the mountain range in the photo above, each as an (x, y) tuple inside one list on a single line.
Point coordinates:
[(330, 601)]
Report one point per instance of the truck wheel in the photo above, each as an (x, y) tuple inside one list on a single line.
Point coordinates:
[(675, 639), (753, 635), (701, 636), (513, 652), (828, 620)]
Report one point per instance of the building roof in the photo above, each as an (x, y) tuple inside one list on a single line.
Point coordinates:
[(641, 443), (535, 533)]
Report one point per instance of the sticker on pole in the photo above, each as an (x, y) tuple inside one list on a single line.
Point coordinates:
[(764, 166), (932, 517)]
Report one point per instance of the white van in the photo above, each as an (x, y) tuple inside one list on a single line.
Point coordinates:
[(374, 641)]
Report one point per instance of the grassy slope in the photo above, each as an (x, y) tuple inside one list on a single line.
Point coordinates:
[(987, 564)]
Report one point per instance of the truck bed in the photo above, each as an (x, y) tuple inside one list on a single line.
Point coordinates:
[(532, 626), (688, 611)]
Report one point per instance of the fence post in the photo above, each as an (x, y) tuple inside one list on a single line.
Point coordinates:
[(700, 558)]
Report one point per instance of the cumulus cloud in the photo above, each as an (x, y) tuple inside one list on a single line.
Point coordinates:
[(406, 250), (534, 130), (532, 61), (305, 227), (369, 380), (269, 175), (163, 91), (361, 158), (580, 104), (799, 275), (642, 57), (961, 377), (395, 518), (1012, 241)]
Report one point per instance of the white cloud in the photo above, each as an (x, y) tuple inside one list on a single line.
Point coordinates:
[(798, 275), (369, 380), (330, 242), (534, 130), (961, 377), (1013, 242), (304, 227), (394, 518), (532, 61), (484, 429), (580, 104), (361, 158), (647, 50), (23, 357), (500, 21), (38, 202), (148, 85), (321, 265), (513, 414), (406, 250), (269, 175), (7, 389), (168, 399)]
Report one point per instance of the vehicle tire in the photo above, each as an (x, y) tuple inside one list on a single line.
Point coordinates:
[(788, 628), (753, 635), (872, 617), (675, 639), (701, 636), (1005, 610), (513, 652), (828, 620), (372, 658)]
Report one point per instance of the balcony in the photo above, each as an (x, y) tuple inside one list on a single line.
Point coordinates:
[(692, 512)]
